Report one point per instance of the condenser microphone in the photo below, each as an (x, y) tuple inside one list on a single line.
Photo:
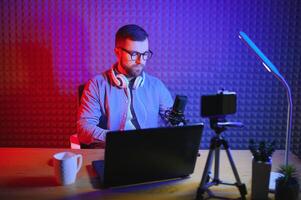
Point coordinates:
[(176, 115)]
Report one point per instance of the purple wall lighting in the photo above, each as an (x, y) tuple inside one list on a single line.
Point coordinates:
[(49, 48)]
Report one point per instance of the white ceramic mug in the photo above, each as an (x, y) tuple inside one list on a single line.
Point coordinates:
[(66, 165)]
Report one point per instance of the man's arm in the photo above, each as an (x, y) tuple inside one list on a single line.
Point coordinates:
[(89, 115), (166, 102)]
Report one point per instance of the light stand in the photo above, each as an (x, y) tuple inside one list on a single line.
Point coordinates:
[(271, 68)]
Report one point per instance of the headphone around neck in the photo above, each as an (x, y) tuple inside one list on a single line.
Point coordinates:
[(122, 82)]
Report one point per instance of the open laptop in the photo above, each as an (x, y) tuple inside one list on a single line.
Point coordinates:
[(145, 155)]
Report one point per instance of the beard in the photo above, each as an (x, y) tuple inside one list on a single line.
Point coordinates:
[(133, 71)]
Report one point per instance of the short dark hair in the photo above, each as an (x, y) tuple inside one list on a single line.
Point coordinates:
[(130, 31)]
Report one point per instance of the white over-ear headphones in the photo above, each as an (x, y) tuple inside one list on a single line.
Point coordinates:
[(122, 82)]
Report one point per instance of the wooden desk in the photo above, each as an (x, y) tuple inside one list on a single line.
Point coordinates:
[(27, 173)]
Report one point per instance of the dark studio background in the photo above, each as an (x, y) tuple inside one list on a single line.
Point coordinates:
[(49, 48)]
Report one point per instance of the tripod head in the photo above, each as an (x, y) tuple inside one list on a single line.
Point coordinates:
[(220, 124)]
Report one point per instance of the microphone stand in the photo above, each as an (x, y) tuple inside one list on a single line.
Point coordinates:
[(175, 118)]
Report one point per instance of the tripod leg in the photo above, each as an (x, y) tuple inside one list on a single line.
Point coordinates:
[(242, 187), (202, 187), (216, 165)]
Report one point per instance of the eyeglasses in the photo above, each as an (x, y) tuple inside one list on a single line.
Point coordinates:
[(134, 54)]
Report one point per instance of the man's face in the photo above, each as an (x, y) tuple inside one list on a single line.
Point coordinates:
[(127, 66)]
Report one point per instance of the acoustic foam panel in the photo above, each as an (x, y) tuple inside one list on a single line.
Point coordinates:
[(49, 48)]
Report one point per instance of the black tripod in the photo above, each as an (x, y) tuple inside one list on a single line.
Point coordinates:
[(219, 125)]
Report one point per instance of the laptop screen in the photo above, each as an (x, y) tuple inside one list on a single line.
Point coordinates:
[(144, 155)]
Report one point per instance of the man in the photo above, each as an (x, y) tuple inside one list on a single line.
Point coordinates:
[(123, 97)]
